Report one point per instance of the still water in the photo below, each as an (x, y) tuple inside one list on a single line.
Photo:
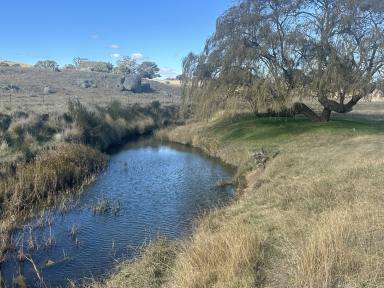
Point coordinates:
[(148, 189)]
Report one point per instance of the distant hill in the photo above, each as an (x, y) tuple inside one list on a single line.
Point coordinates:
[(12, 63), (42, 91)]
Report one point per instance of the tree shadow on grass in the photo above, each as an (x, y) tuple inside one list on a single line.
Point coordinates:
[(249, 128)]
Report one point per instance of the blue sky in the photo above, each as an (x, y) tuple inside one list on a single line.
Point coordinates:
[(161, 31)]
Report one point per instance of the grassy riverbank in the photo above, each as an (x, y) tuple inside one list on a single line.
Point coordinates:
[(45, 156), (55, 172), (312, 217)]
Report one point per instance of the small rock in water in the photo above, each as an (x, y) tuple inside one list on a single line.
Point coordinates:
[(49, 263)]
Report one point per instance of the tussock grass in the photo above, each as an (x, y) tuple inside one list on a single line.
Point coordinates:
[(110, 125), (230, 256), (54, 172), (345, 248), (46, 156), (23, 134), (150, 269), (314, 214), (58, 169)]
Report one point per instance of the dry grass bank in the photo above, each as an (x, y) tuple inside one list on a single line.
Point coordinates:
[(44, 156), (23, 135), (312, 218), (151, 269)]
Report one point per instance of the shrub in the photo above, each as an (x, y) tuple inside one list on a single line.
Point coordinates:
[(102, 67), (96, 66), (69, 67), (47, 64)]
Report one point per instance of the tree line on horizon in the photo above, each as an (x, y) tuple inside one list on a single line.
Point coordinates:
[(272, 56), (125, 65)]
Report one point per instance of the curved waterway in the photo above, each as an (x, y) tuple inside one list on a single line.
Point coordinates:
[(148, 189)]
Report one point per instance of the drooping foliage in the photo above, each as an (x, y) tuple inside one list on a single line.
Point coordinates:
[(274, 55), (148, 69)]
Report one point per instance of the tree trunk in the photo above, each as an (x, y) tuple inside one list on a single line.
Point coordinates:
[(332, 105), (329, 106), (301, 108), (297, 108), (326, 115)]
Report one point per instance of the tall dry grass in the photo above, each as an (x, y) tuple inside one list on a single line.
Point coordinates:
[(230, 256), (316, 209), (150, 269), (46, 156), (56, 171), (344, 249)]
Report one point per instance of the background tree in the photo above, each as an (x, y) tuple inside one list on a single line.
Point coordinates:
[(126, 65), (78, 60), (148, 70), (69, 67), (104, 67), (274, 55), (47, 64)]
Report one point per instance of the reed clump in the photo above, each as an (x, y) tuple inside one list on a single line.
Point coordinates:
[(54, 172)]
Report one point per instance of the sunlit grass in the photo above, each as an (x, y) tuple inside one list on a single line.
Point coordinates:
[(317, 207)]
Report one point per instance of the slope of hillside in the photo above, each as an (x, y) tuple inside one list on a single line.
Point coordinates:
[(29, 89)]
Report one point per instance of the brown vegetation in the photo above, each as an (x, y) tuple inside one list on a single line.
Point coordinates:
[(150, 269), (51, 155), (67, 85), (298, 222), (56, 171), (319, 226)]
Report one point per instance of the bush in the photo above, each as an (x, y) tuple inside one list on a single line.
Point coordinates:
[(69, 67), (47, 65), (96, 66), (102, 67)]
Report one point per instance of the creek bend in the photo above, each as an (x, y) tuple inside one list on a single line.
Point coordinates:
[(148, 189)]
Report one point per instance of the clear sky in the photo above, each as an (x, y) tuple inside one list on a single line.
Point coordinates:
[(163, 31)]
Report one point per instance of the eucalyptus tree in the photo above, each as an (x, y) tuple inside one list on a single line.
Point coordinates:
[(148, 69), (274, 55), (126, 65), (47, 65)]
